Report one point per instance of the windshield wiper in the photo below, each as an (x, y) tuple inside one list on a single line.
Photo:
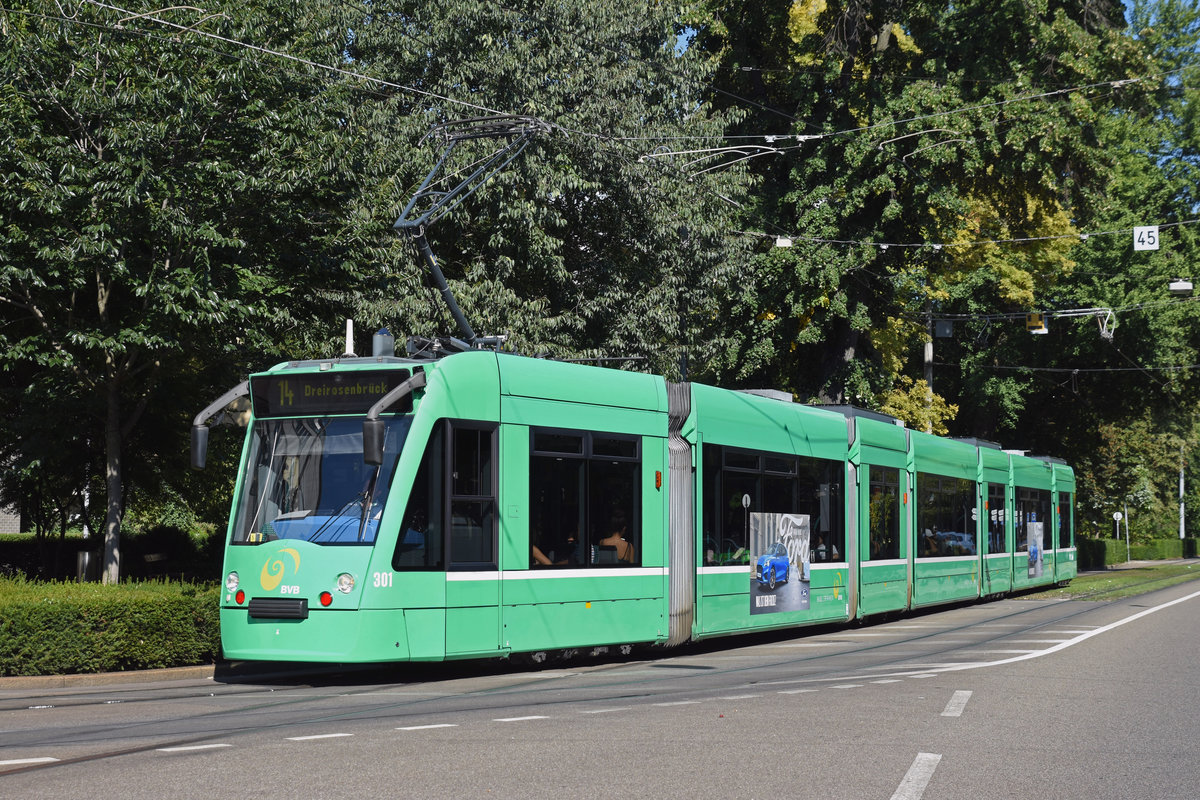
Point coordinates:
[(368, 494), (361, 497)]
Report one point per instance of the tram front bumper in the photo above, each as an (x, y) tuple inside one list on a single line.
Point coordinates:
[(376, 635)]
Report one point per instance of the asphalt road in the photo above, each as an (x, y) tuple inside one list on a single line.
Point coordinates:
[(1009, 699)]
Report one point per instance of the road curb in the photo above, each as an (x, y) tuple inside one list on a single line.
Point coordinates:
[(200, 672)]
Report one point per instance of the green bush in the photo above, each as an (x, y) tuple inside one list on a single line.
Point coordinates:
[(1101, 552), (58, 628), (1092, 553)]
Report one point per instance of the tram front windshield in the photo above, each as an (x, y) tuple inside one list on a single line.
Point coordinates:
[(306, 479)]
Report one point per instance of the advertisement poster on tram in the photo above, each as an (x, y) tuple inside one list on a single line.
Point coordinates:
[(1033, 537), (779, 570)]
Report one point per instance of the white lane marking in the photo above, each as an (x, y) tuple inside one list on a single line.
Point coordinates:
[(314, 737), (37, 708), (17, 762), (606, 710), (739, 697), (1083, 637), (889, 680), (796, 691), (847, 686), (957, 703), (428, 727), (557, 673), (190, 747), (857, 635), (1037, 641), (680, 703), (917, 778), (924, 667), (997, 652), (517, 719)]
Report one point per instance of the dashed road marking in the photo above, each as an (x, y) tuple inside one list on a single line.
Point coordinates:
[(191, 747), (957, 703), (917, 778), (318, 736), (20, 762), (428, 727), (859, 634), (518, 719)]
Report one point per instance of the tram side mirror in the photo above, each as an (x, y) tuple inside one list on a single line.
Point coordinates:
[(373, 442), (199, 446)]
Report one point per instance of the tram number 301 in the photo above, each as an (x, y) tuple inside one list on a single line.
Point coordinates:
[(381, 580)]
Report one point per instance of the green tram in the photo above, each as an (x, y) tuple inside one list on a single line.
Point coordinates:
[(485, 504)]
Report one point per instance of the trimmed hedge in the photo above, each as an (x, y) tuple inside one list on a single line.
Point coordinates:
[(1099, 553), (59, 628)]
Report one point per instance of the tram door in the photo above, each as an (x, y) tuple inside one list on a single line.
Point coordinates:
[(883, 531)]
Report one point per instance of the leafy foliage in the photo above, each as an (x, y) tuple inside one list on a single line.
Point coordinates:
[(178, 210), (63, 628)]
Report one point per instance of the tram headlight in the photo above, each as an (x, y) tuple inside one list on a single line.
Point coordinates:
[(231, 581), (345, 583)]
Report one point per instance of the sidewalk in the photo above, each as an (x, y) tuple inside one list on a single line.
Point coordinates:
[(1141, 564), (87, 679)]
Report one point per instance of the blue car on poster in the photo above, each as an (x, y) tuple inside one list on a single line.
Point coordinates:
[(772, 566)]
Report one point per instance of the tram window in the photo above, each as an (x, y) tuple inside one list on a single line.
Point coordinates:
[(611, 446), (419, 545), (782, 466), (584, 501), (472, 497), (558, 442), (773, 483), (945, 516), (1032, 521), (884, 513), (738, 459), (996, 515), (454, 492), (1066, 519)]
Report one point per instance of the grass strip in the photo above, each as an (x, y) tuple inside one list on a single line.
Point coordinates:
[(1112, 584)]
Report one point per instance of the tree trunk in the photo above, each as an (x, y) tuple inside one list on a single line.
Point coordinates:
[(112, 483)]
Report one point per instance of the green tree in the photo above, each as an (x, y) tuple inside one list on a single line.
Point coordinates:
[(166, 209), (922, 128), (582, 246)]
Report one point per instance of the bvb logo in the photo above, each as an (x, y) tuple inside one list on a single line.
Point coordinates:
[(275, 568)]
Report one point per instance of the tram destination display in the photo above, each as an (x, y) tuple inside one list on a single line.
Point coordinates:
[(302, 394)]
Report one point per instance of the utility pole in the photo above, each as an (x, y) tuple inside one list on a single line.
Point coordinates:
[(1181, 529)]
